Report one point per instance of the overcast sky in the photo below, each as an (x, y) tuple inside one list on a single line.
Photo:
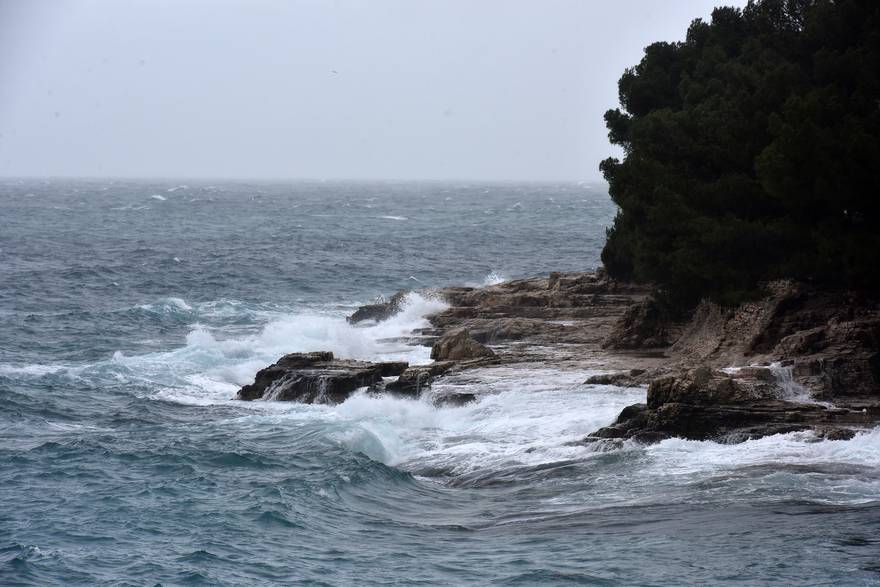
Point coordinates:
[(378, 89)]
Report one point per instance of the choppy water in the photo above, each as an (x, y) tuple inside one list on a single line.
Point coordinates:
[(131, 312)]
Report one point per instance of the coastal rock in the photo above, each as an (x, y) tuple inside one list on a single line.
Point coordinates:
[(706, 386), (569, 308), (643, 325), (316, 377), (835, 433), (841, 359), (453, 400), (417, 378), (380, 310), (631, 378), (459, 345), (707, 404), (506, 329), (828, 342)]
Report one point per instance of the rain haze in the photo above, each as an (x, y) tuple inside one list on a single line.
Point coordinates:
[(493, 90)]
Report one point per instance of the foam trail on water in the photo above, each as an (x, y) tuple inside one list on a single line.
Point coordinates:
[(525, 416)]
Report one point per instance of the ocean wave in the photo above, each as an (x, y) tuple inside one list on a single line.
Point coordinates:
[(214, 361), (167, 305), (524, 428)]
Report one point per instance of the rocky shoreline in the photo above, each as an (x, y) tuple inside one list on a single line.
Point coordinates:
[(799, 359)]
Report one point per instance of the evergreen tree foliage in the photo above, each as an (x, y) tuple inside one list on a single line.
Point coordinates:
[(751, 152)]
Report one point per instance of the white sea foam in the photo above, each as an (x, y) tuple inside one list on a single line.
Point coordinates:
[(791, 389), (210, 367), (525, 416), (167, 305), (33, 370), (834, 472), (394, 217), (684, 457), (158, 197), (494, 278)]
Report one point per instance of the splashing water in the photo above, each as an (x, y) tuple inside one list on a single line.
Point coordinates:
[(791, 390), (124, 458)]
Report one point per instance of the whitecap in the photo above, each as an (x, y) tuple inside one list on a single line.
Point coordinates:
[(525, 416), (211, 366), (34, 369)]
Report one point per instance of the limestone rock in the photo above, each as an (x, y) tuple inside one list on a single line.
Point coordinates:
[(316, 378), (459, 345), (417, 378), (707, 404), (379, 311), (643, 325), (631, 378)]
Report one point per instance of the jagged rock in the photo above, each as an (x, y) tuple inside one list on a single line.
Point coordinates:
[(316, 378), (706, 386), (392, 368), (632, 417), (505, 329), (835, 433), (459, 345), (804, 342), (829, 339), (454, 400), (842, 362), (417, 378), (631, 378), (706, 404), (380, 311), (643, 325)]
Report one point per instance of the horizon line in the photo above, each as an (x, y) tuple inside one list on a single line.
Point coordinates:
[(243, 179)]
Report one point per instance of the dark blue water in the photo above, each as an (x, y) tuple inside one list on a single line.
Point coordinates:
[(131, 312)]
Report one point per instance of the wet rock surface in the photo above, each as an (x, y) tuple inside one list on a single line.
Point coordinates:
[(630, 378), (459, 345), (708, 404), (381, 310), (417, 378), (827, 343), (317, 378)]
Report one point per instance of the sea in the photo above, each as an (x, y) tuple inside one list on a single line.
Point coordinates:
[(132, 311)]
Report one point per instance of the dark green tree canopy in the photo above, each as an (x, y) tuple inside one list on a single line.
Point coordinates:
[(751, 152)]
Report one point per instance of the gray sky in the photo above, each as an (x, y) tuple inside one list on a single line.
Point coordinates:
[(407, 89)]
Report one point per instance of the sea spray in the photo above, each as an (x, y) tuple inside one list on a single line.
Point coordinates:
[(125, 459)]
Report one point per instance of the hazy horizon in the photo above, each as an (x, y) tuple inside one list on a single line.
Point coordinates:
[(310, 91), (241, 179)]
